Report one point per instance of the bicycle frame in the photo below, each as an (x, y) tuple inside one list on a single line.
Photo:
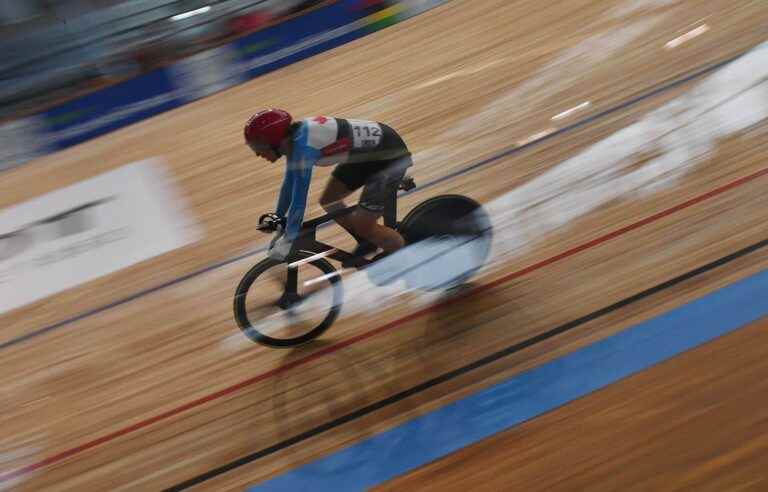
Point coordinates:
[(307, 239), (433, 218)]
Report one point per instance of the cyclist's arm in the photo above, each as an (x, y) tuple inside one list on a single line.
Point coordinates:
[(284, 200), (302, 176), (299, 175)]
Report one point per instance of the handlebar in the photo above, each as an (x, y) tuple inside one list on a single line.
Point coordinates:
[(270, 222)]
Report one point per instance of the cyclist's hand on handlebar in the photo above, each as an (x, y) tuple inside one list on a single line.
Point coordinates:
[(270, 223)]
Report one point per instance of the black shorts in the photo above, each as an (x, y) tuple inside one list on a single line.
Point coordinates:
[(380, 178)]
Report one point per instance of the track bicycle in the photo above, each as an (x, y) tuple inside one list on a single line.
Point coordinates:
[(451, 234)]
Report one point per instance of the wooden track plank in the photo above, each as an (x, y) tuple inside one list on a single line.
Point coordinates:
[(227, 188), (284, 404), (694, 422), (108, 372)]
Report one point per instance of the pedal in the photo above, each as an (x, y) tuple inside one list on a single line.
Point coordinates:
[(358, 255), (363, 248), (355, 262)]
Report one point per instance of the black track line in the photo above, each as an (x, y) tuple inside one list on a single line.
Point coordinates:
[(465, 369)]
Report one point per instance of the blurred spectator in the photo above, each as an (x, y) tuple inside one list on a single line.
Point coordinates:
[(252, 21), (307, 5), (373, 5), (60, 48)]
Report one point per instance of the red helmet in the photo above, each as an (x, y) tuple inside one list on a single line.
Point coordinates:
[(269, 126)]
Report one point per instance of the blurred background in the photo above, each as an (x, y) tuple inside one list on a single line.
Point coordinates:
[(77, 69), (58, 49)]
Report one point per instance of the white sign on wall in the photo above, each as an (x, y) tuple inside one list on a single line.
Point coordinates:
[(206, 73), (90, 229)]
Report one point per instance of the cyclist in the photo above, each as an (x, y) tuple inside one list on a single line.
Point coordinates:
[(367, 154)]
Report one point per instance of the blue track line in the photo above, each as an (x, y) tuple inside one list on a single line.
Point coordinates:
[(523, 397)]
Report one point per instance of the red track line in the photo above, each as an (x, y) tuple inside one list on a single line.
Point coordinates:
[(381, 329)]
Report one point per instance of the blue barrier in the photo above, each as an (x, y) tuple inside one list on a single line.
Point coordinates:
[(189, 79), (109, 109)]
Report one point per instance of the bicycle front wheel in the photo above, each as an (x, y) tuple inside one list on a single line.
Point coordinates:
[(278, 305)]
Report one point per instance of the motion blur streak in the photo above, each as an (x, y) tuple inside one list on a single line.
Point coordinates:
[(565, 70)]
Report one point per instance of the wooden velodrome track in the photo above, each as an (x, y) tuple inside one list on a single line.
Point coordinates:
[(160, 388)]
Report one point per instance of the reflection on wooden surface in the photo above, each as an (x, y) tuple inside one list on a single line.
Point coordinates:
[(127, 397), (688, 423)]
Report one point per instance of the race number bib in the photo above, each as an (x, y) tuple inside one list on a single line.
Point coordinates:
[(365, 134)]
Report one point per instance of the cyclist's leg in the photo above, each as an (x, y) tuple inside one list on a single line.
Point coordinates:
[(343, 182), (366, 224), (373, 201), (334, 194)]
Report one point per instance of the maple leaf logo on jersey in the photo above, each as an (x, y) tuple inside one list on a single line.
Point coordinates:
[(321, 119)]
